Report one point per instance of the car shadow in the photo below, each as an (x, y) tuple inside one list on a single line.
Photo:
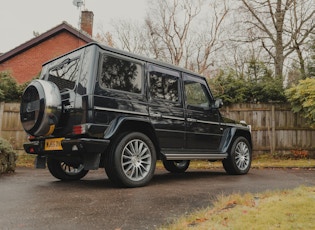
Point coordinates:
[(159, 178), (168, 177)]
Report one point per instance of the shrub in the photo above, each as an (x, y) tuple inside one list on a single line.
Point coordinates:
[(9, 89), (7, 157), (302, 99), (234, 88)]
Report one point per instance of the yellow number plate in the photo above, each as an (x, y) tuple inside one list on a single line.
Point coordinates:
[(53, 144)]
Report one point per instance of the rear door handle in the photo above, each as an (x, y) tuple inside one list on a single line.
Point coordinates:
[(156, 115)]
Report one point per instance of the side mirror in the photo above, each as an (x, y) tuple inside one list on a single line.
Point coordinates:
[(217, 104)]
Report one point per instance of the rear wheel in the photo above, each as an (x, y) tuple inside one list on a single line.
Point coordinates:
[(131, 160), (65, 171), (178, 166), (240, 157)]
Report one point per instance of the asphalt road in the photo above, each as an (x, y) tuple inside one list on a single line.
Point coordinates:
[(33, 199)]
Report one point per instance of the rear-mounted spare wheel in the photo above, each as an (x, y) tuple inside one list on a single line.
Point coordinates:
[(40, 108)]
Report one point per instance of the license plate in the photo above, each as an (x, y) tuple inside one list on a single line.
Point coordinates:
[(53, 144)]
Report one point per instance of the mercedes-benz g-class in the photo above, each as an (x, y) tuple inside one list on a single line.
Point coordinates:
[(101, 107)]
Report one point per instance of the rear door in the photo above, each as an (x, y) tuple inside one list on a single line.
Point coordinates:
[(166, 107), (202, 122)]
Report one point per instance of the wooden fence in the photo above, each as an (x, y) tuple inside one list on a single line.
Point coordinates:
[(10, 126), (275, 128)]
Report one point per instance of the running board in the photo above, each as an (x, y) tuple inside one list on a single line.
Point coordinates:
[(196, 156)]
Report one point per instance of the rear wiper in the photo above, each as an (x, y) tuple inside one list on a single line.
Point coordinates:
[(59, 66)]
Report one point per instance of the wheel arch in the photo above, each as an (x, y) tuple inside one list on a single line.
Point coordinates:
[(132, 124), (246, 134), (231, 134)]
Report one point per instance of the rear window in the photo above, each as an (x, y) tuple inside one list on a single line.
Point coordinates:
[(65, 74), (120, 74)]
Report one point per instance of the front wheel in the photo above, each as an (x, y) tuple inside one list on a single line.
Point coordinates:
[(240, 157), (177, 166), (65, 171), (131, 160)]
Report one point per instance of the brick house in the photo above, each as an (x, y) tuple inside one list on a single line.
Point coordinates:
[(25, 61)]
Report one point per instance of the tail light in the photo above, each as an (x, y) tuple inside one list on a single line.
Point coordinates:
[(30, 137), (79, 129), (31, 150)]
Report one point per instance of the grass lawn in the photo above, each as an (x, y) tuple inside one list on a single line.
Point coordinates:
[(25, 160), (285, 209)]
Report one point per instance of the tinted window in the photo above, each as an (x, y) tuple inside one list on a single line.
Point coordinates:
[(65, 74), (164, 86), (120, 74), (196, 94)]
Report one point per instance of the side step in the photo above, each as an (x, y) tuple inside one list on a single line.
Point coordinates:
[(173, 156)]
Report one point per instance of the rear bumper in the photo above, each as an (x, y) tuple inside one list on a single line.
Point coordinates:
[(69, 146)]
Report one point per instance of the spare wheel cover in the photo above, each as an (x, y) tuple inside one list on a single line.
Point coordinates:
[(40, 108)]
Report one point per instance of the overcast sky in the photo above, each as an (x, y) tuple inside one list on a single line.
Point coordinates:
[(19, 18)]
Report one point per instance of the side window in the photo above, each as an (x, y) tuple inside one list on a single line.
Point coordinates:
[(196, 94), (164, 85), (120, 74)]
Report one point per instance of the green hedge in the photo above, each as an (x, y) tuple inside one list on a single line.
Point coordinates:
[(7, 157)]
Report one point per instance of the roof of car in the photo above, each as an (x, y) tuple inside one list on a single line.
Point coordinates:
[(134, 56)]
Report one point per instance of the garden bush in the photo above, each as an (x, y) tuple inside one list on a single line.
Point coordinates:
[(7, 157)]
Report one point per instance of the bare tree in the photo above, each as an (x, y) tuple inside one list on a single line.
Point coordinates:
[(169, 23), (302, 25), (283, 27), (183, 32), (105, 38), (131, 36), (188, 32), (211, 37)]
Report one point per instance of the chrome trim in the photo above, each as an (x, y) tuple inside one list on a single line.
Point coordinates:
[(167, 117), (138, 113), (173, 156), (120, 111), (234, 125), (208, 122), (174, 118), (170, 130), (218, 123)]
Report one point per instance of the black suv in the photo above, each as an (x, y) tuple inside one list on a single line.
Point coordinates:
[(101, 107)]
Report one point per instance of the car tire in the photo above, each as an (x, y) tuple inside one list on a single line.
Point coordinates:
[(176, 166), (131, 160), (240, 157), (64, 171)]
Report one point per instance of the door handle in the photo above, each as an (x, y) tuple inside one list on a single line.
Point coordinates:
[(191, 120), (156, 115)]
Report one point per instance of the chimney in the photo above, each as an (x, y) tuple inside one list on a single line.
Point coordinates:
[(87, 21)]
